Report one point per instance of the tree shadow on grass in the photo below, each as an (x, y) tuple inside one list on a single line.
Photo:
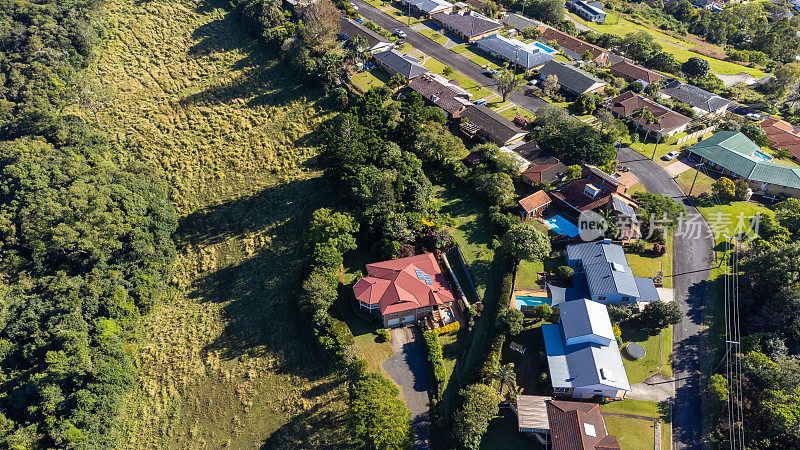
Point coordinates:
[(310, 427)]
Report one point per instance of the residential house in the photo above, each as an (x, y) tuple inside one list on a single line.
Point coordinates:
[(543, 167), (515, 158), (299, 6), (429, 7), (574, 47), (526, 56), (520, 22), (667, 122), (564, 425), (481, 121), (394, 62), (634, 72), (441, 92), (534, 205), (468, 25), (591, 11), (701, 101), (782, 136), (477, 4), (736, 156), (608, 276), (402, 291), (375, 42), (598, 191), (571, 79), (582, 353)]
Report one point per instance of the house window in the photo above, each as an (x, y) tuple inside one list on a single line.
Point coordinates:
[(625, 299), (601, 298), (598, 390)]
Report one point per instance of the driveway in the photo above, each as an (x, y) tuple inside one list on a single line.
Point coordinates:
[(656, 388), (692, 259), (444, 55), (408, 368)]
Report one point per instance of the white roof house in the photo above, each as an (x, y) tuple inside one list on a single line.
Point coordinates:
[(430, 6), (524, 55), (586, 321)]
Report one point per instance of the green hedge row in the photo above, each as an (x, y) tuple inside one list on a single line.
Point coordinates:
[(435, 355)]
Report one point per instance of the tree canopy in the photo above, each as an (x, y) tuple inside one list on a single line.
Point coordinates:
[(524, 241)]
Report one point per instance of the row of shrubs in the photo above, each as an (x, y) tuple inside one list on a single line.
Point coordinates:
[(435, 355), (449, 328)]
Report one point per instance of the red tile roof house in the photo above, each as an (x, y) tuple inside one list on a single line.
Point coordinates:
[(534, 204), (544, 167), (598, 191), (782, 135), (575, 47), (578, 426), (669, 122), (441, 92), (402, 291), (632, 72)]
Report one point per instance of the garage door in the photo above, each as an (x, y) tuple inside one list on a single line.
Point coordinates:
[(409, 319), (393, 322)]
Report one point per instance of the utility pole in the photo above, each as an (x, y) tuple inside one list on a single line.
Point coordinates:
[(409, 14), (697, 168)]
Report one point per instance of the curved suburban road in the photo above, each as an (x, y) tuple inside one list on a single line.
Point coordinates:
[(692, 257), (444, 55)]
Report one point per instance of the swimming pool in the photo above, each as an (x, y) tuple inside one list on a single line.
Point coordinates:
[(562, 226), (545, 48), (524, 301), (761, 156)]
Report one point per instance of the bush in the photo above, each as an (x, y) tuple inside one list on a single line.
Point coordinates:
[(564, 273), (449, 328), (510, 321), (435, 355), (384, 335), (637, 247)]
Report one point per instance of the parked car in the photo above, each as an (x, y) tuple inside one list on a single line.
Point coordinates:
[(671, 155), (400, 33), (480, 101), (534, 82), (753, 116), (360, 19), (491, 73), (355, 8), (521, 121)]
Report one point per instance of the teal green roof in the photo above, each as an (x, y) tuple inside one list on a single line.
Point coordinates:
[(734, 151)]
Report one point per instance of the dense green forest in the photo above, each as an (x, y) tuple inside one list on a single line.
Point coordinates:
[(86, 244)]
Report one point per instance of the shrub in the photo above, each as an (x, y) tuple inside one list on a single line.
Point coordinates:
[(564, 272), (449, 328), (384, 335), (637, 247), (435, 355)]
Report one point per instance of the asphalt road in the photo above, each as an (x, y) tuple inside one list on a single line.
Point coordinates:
[(446, 56), (693, 256)]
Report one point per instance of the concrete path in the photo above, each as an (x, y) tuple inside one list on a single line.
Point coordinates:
[(693, 256), (445, 56), (408, 368), (678, 167)]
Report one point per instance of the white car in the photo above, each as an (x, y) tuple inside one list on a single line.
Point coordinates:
[(753, 116), (355, 8), (671, 155), (400, 33)]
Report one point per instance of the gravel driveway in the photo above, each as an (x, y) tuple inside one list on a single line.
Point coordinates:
[(408, 368)]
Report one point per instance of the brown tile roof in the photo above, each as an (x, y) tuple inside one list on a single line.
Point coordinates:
[(571, 426), (496, 127), (438, 93), (468, 24), (782, 135), (398, 285), (535, 201), (633, 72), (576, 45), (544, 172), (624, 105), (573, 194)]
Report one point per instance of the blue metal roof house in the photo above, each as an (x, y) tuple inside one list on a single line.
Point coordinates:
[(582, 353), (608, 276)]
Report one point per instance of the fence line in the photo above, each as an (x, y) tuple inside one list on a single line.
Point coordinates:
[(467, 272), (696, 134), (458, 285)]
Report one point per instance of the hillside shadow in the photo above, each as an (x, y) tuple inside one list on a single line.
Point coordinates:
[(310, 426)]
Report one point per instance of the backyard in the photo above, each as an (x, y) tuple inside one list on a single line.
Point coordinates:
[(639, 370), (632, 430)]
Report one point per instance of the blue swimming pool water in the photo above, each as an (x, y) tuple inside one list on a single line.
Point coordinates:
[(562, 226), (761, 156), (545, 47), (524, 300)]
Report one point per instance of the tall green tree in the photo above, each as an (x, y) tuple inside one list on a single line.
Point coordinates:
[(480, 404), (524, 241)]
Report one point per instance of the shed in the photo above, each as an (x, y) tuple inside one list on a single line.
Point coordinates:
[(534, 204)]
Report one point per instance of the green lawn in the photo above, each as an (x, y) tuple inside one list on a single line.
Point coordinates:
[(731, 218), (639, 370), (701, 185), (527, 271), (465, 82), (510, 113), (642, 408), (632, 433), (661, 149), (451, 350), (648, 265), (480, 58), (374, 352), (678, 47), (435, 36), (368, 79)]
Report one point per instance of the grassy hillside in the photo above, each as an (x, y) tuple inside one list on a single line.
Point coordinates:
[(229, 361)]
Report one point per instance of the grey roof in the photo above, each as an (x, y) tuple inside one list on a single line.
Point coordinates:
[(532, 412), (591, 8), (605, 266), (733, 151), (405, 65), (560, 294), (468, 24), (596, 252), (622, 207), (583, 364), (514, 50), (430, 6), (499, 129), (350, 28), (694, 96), (519, 22), (647, 290), (584, 317), (571, 78)]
